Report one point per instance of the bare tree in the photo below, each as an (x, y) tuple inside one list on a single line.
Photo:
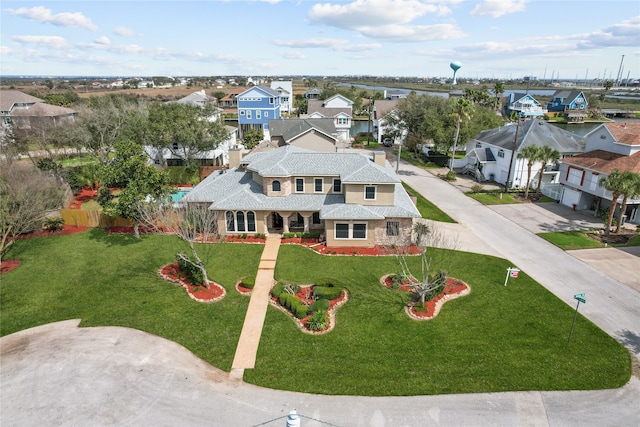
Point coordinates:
[(424, 281), (191, 222), (26, 196)]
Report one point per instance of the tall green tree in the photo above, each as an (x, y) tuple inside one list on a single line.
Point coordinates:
[(137, 182), (531, 153), (630, 189), (462, 110), (614, 182), (547, 155), (498, 89), (186, 130)]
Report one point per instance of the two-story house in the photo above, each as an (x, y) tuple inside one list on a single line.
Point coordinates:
[(570, 103), (382, 111), (523, 104), (337, 107), (285, 89), (493, 150), (351, 198), (609, 146), (312, 134), (256, 106), (27, 113)]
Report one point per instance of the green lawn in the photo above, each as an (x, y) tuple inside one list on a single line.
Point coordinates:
[(427, 209), (493, 198), (568, 240), (495, 339)]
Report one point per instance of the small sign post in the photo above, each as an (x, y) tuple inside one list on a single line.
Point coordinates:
[(511, 272), (580, 299)]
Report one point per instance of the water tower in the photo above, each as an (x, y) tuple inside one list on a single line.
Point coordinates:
[(455, 66)]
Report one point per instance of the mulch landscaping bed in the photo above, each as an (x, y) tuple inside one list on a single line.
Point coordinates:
[(621, 238), (83, 195), (172, 273), (453, 289)]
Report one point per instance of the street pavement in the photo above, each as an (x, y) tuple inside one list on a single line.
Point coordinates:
[(62, 375)]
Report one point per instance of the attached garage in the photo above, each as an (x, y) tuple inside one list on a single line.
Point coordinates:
[(570, 197)]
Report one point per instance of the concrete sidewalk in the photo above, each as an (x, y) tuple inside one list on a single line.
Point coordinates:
[(245, 356)]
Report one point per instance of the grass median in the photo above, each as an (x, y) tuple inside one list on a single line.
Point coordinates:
[(495, 339)]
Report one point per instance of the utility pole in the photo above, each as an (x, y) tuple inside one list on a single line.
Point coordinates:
[(507, 184)]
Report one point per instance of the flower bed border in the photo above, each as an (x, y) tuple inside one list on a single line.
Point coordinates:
[(440, 299), (189, 287), (331, 313)]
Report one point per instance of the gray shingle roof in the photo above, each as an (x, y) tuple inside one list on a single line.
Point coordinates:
[(293, 128), (533, 132), (294, 161)]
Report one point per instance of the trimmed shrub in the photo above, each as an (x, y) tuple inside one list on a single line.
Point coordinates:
[(327, 292), (319, 305), (278, 289), (249, 282), (53, 223), (300, 310), (190, 269)]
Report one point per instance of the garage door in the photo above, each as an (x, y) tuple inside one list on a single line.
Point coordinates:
[(570, 197)]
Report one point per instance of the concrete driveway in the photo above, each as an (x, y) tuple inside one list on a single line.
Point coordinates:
[(62, 375)]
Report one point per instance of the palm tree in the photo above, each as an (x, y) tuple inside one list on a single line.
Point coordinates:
[(547, 155), (614, 183), (462, 108), (631, 189), (532, 154), (498, 89)]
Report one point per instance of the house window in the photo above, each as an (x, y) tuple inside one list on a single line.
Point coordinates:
[(574, 176), (315, 218), (251, 222), (266, 114), (248, 114), (359, 231), (478, 145), (337, 185), (594, 181), (242, 112), (299, 185), (175, 145), (342, 231), (501, 153), (351, 231), (275, 186), (239, 222), (318, 185), (393, 228), (343, 121), (270, 100), (258, 114), (369, 192)]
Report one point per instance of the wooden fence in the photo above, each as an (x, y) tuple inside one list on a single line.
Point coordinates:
[(92, 218)]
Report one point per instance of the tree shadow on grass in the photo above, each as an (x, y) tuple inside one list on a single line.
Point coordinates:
[(109, 239)]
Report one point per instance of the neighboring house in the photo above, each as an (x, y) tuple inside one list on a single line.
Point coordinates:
[(256, 106), (395, 94), (523, 104), (337, 107), (490, 152), (352, 199), (382, 110), (571, 103), (312, 134), (174, 155), (230, 100), (25, 112), (313, 93), (609, 146), (285, 89)]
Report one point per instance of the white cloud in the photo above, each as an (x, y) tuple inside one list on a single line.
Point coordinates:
[(292, 54), (360, 13), (103, 40), (123, 31), (325, 43), (5, 50), (53, 42), (64, 19), (418, 33), (498, 8), (625, 33)]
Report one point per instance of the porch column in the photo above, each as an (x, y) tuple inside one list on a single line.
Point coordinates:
[(306, 223), (266, 224)]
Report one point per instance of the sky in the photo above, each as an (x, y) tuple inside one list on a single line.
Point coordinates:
[(498, 39)]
